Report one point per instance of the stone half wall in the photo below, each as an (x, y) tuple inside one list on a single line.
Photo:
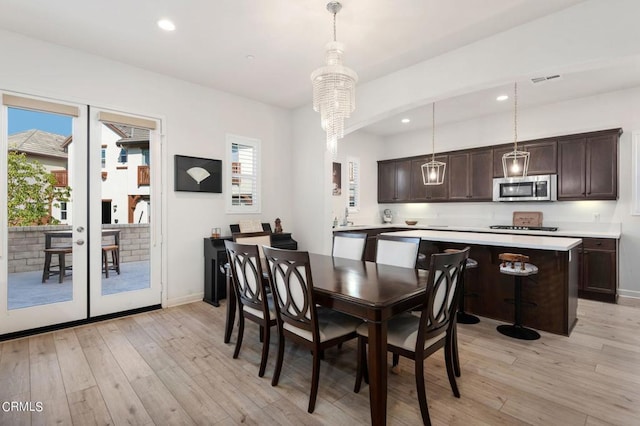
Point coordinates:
[(26, 245)]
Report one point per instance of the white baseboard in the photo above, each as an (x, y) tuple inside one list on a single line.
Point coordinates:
[(629, 298), (185, 299)]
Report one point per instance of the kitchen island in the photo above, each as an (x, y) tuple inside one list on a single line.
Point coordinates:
[(549, 298)]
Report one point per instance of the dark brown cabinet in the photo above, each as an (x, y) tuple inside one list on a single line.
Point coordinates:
[(470, 175), (588, 166), (394, 181), (597, 263), (428, 193), (543, 157)]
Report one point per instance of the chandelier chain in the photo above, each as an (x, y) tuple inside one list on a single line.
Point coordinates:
[(515, 116), (433, 131), (334, 26)]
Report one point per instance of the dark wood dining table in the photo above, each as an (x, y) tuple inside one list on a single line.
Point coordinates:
[(366, 290)]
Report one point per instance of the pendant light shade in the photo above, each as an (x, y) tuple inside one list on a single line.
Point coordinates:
[(433, 171), (334, 88), (515, 163)]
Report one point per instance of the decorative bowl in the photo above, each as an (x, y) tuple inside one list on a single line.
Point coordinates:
[(410, 222)]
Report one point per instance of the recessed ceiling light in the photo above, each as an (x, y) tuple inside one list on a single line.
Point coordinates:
[(502, 98), (166, 25), (250, 57), (405, 120)]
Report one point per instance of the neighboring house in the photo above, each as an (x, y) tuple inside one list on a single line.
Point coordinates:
[(50, 150), (125, 174), (124, 169)]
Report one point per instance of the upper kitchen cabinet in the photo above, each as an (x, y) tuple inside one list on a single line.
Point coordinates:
[(543, 157), (471, 175), (394, 181), (588, 166), (428, 193)]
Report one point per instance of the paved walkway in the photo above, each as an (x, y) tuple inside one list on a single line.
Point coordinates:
[(26, 288)]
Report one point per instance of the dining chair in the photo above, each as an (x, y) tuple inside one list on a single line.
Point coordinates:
[(417, 338), (257, 238), (299, 320), (254, 302), (397, 251), (349, 245)]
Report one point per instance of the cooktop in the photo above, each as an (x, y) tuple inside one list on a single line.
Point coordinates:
[(525, 228)]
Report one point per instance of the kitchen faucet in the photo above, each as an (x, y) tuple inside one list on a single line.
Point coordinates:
[(346, 220)]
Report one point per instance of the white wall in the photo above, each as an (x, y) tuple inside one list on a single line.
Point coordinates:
[(605, 111), (196, 120)]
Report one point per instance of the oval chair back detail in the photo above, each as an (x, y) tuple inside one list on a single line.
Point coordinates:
[(397, 251), (299, 320), (255, 303), (417, 338), (349, 245), (516, 265)]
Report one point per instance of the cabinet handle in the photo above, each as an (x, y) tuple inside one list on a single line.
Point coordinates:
[(598, 243)]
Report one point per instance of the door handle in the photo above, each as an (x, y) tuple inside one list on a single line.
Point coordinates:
[(80, 242), (80, 229)]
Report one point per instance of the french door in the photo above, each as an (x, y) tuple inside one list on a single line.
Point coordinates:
[(83, 244), (125, 200)]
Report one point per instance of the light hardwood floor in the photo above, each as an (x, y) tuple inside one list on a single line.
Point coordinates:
[(172, 367)]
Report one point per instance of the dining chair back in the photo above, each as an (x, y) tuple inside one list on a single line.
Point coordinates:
[(418, 337), (349, 245), (256, 238), (299, 319), (397, 251), (250, 290)]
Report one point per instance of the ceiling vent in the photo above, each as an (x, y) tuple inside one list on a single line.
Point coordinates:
[(543, 79)]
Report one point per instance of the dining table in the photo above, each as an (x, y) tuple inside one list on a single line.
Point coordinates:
[(372, 292)]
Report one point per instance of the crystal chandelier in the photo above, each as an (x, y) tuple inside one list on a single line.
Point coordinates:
[(334, 88), (433, 171), (515, 163)]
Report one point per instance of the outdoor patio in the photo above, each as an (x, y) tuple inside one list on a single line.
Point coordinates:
[(26, 288)]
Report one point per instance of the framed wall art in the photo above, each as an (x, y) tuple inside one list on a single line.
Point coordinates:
[(337, 179), (197, 174)]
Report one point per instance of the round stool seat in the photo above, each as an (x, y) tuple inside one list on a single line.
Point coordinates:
[(422, 262), (516, 269)]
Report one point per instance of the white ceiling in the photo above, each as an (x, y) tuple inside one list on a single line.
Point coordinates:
[(287, 38), (621, 75)]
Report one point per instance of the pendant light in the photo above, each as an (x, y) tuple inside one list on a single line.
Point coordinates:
[(334, 88), (433, 171), (515, 163)]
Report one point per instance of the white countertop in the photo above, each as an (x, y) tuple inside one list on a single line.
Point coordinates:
[(494, 239), (575, 230)]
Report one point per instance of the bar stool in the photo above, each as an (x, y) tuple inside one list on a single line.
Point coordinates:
[(115, 258), (516, 265), (61, 252), (461, 316)]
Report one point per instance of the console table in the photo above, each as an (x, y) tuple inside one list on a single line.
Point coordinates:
[(215, 257)]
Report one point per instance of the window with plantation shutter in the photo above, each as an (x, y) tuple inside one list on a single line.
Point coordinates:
[(353, 165), (243, 175)]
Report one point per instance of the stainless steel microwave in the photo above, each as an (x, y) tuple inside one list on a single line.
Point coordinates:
[(528, 188)]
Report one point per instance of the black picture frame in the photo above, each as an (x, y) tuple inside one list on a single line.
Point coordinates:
[(196, 174), (337, 179)]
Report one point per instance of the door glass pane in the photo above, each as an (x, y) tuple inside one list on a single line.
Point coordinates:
[(38, 208), (126, 208)]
